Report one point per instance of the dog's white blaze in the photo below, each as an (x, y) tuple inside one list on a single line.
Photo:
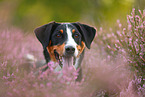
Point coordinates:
[(70, 40)]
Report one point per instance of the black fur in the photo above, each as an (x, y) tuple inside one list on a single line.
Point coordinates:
[(43, 33), (87, 32)]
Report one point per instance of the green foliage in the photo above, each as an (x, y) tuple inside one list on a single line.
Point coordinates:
[(40, 12), (28, 14)]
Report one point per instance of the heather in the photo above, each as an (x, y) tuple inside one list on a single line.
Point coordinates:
[(114, 66)]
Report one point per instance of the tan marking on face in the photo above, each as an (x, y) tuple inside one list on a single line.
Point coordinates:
[(80, 48), (61, 31), (73, 30), (58, 48)]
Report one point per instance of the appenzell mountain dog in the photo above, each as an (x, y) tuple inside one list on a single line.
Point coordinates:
[(65, 43)]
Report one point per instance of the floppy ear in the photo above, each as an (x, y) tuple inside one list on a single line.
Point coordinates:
[(87, 32), (43, 33)]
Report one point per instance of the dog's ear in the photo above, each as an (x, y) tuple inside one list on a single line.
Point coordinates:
[(43, 33), (87, 32)]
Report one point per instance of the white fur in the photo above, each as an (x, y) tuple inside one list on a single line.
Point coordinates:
[(71, 41), (76, 65), (30, 57)]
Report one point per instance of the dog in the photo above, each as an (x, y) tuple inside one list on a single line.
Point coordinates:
[(64, 43)]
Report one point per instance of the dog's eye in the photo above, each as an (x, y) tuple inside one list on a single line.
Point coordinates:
[(58, 35), (76, 36)]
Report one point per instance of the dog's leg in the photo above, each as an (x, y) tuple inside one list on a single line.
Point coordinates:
[(78, 66), (47, 58), (80, 76)]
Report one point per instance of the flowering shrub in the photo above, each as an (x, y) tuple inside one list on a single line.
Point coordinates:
[(115, 65), (18, 79), (129, 42)]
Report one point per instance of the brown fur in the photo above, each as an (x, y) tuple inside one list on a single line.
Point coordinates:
[(73, 31), (58, 48), (80, 48), (61, 31)]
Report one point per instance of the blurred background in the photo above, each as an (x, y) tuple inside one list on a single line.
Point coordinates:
[(114, 67), (28, 14)]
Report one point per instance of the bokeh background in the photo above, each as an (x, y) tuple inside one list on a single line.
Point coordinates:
[(113, 67), (28, 14)]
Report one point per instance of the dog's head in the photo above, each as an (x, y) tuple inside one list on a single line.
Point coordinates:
[(65, 39)]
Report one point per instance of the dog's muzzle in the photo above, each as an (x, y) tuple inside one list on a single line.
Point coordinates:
[(69, 51), (66, 60)]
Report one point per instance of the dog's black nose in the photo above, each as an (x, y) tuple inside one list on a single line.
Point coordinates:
[(69, 50)]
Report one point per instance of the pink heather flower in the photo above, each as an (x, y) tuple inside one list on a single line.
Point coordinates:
[(109, 46), (113, 35), (124, 29), (142, 26), (144, 13), (101, 29), (17, 70), (143, 23), (118, 21), (104, 38), (133, 12), (120, 25), (42, 85), (129, 27), (49, 84), (136, 46), (10, 94), (23, 89), (117, 46), (118, 32), (117, 41), (5, 78), (14, 90), (8, 74), (50, 65), (110, 29), (108, 35), (128, 19), (138, 19), (140, 12)]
